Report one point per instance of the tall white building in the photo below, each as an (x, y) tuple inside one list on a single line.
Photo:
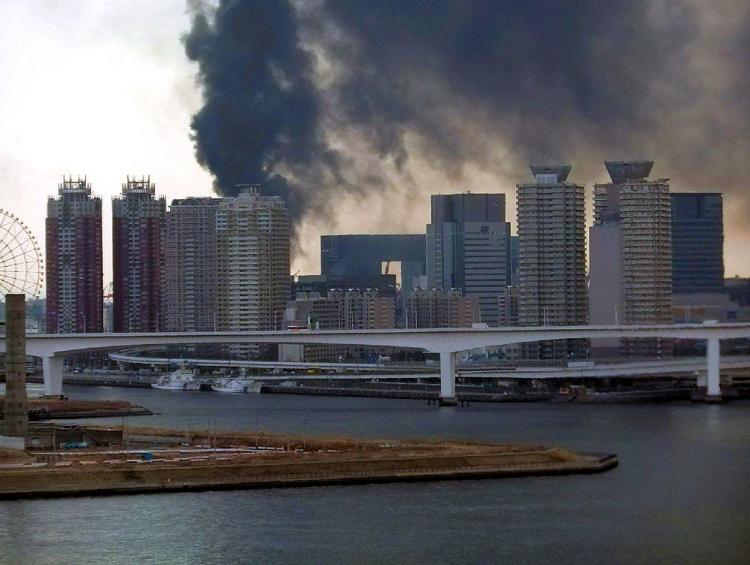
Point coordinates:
[(632, 223), (552, 258), (252, 239)]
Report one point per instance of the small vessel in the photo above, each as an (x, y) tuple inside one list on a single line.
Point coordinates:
[(181, 379), (237, 385)]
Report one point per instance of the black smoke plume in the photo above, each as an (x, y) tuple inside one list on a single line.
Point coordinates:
[(551, 80), (261, 107)]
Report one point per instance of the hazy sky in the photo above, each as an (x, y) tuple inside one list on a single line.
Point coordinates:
[(94, 88), (105, 89)]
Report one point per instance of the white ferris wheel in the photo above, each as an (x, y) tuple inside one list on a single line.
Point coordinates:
[(21, 266)]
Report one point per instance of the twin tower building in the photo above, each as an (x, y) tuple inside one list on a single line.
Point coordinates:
[(206, 264)]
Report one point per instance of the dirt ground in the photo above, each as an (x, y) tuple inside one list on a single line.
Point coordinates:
[(8, 456)]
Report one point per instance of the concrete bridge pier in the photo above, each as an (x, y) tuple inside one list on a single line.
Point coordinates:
[(713, 361), (447, 379), (52, 370)]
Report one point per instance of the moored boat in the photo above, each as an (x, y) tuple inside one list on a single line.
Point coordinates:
[(181, 379), (236, 385)]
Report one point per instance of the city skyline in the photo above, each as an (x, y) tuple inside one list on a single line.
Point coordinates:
[(222, 263), (390, 281), (106, 128), (109, 262)]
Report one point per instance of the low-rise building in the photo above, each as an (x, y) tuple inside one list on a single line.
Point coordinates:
[(440, 309), (340, 309)]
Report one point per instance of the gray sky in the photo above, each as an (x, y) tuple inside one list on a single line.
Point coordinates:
[(95, 88), (105, 89)]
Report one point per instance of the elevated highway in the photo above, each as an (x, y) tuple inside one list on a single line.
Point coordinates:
[(134, 358), (343, 371), (52, 348)]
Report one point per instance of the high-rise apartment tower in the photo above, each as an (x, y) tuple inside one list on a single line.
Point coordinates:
[(552, 258), (189, 290), (138, 259), (631, 253), (74, 259), (252, 236), (227, 264)]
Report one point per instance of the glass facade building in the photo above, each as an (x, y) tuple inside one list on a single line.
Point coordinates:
[(697, 242), (468, 248), (364, 256)]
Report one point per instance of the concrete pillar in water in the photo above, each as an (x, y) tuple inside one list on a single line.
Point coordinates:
[(16, 407), (713, 360), (52, 370), (447, 378)]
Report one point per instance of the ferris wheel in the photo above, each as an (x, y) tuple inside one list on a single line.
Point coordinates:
[(21, 267)]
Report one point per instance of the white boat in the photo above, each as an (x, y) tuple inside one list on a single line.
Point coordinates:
[(237, 385), (181, 379)]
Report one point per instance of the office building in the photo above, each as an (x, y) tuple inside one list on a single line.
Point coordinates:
[(514, 246), (386, 285), (552, 258), (738, 289), (632, 226), (370, 256), (138, 224), (468, 248), (697, 243), (74, 259), (696, 308)]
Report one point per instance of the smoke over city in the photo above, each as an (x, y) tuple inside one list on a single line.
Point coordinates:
[(326, 99)]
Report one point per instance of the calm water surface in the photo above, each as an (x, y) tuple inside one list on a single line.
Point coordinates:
[(680, 495)]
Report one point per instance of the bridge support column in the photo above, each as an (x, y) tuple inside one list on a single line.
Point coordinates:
[(52, 369), (713, 360), (447, 378)]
